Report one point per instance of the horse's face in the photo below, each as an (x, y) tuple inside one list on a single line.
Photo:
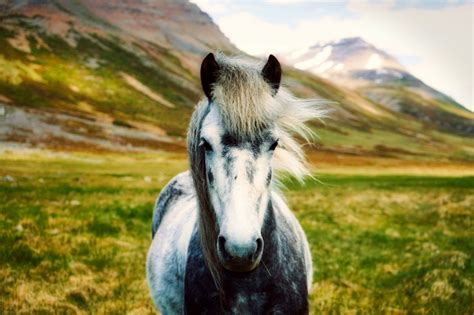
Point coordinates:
[(238, 168), (239, 173)]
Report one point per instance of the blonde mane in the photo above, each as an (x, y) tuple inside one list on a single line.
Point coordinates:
[(247, 106)]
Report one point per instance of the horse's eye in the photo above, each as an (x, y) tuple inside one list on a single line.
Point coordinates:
[(206, 145), (273, 146)]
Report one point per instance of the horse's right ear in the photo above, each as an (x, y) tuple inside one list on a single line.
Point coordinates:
[(209, 74), (272, 73)]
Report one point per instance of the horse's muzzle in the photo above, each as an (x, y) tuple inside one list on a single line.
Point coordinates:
[(239, 257)]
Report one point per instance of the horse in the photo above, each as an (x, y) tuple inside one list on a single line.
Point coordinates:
[(223, 238)]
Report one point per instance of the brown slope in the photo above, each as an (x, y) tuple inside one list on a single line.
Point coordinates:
[(174, 24)]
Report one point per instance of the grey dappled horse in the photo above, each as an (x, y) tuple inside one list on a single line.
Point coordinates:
[(224, 240)]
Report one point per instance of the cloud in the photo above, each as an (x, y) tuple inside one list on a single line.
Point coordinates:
[(213, 7), (357, 5), (284, 1), (257, 37), (440, 40)]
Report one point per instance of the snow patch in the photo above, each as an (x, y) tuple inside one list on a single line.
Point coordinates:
[(374, 62), (298, 53), (320, 57), (339, 67), (324, 67), (397, 74)]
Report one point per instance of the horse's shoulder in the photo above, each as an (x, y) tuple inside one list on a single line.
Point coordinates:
[(290, 223), (282, 211), (178, 186)]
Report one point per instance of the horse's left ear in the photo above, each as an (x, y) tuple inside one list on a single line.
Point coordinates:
[(271, 72)]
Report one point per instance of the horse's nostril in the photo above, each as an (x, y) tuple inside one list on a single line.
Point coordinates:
[(221, 241)]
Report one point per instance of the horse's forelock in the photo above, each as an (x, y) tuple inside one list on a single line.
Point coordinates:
[(247, 106), (243, 97), (207, 220)]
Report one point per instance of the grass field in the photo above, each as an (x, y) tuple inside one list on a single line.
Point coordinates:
[(75, 230)]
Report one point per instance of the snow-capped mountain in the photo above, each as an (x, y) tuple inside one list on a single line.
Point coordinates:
[(357, 64), (348, 58)]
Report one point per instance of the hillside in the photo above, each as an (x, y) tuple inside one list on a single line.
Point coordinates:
[(115, 75), (80, 78)]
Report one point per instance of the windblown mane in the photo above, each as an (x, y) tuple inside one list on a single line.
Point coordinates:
[(246, 105)]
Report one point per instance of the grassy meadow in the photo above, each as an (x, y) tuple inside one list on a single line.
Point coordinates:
[(75, 230)]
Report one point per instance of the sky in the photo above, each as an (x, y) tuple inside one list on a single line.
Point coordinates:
[(432, 39)]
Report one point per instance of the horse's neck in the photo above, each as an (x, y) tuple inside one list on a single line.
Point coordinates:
[(270, 235)]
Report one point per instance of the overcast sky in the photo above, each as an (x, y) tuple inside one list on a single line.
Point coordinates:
[(433, 39)]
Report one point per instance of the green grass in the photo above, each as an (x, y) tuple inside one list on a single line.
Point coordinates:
[(389, 244), (75, 230)]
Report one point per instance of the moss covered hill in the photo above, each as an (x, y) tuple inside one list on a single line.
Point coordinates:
[(123, 75)]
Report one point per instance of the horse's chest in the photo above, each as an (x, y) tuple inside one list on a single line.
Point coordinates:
[(259, 292), (245, 303), (241, 297)]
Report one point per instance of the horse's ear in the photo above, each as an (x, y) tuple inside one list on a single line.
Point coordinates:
[(209, 74), (272, 73)]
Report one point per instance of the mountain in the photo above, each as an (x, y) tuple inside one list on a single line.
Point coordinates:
[(358, 65), (346, 61), (102, 74), (124, 75)]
